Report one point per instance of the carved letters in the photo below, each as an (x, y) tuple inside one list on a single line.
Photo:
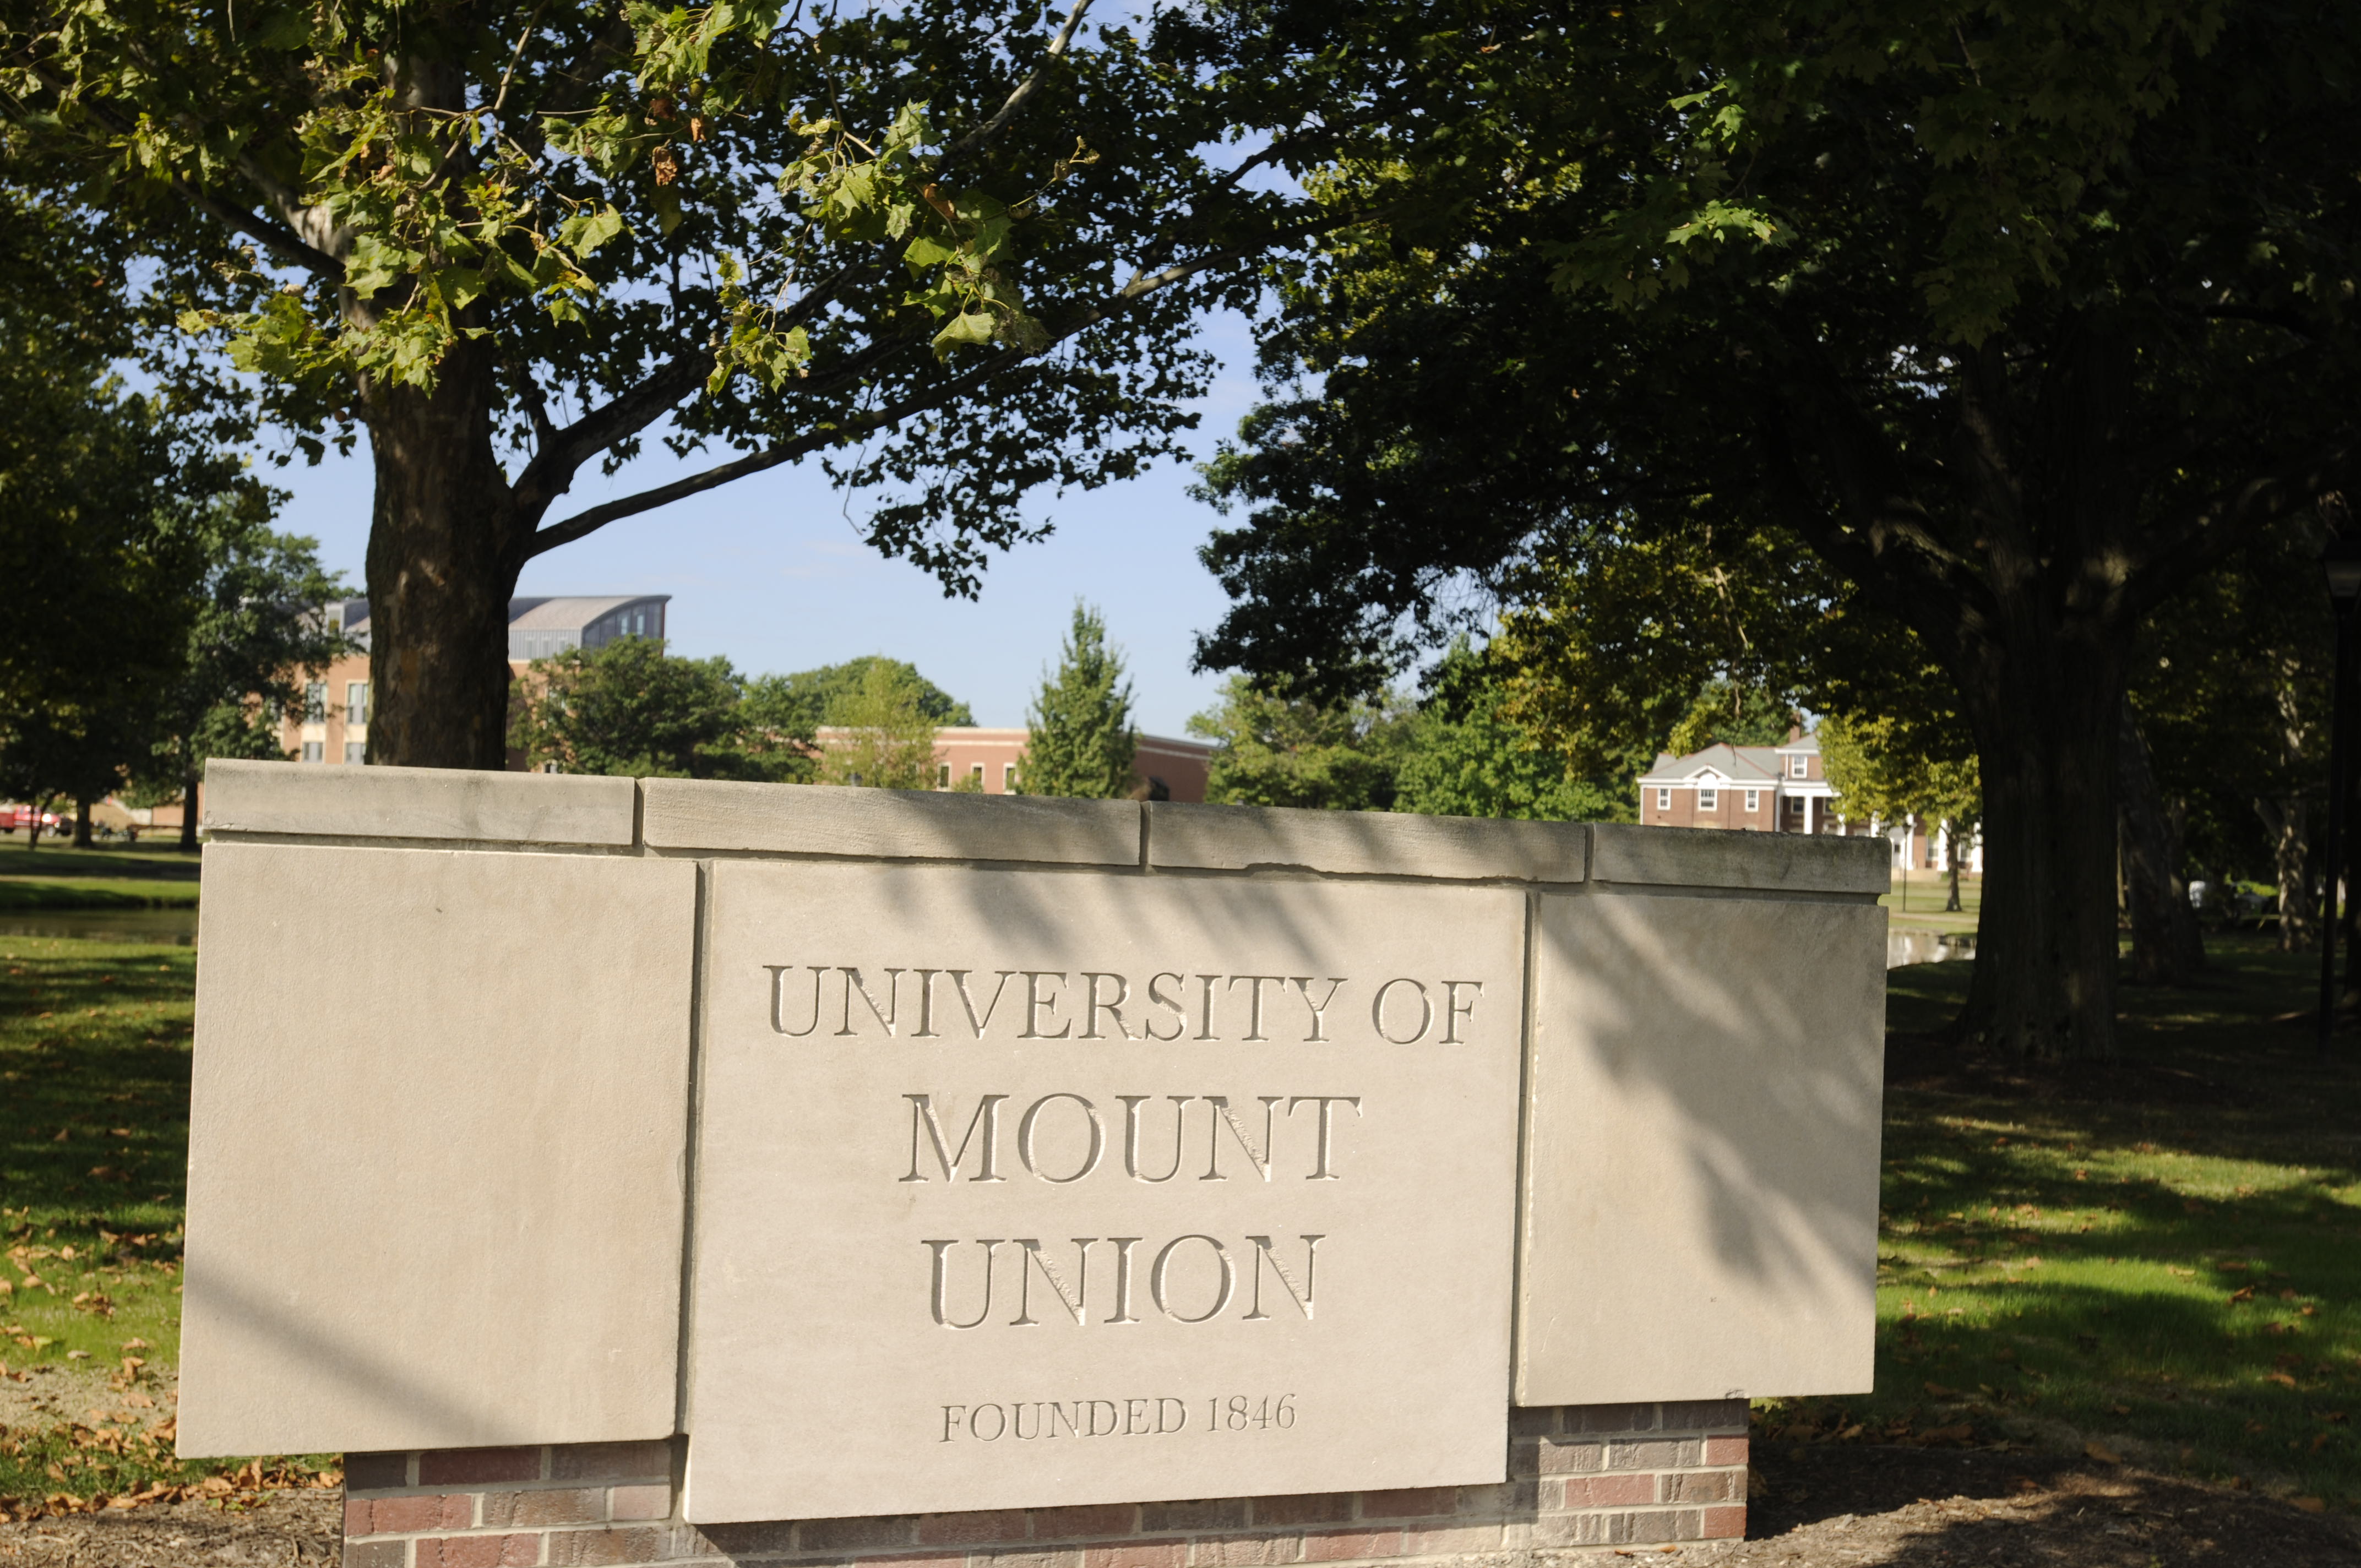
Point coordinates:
[(1047, 1004), (1019, 1188)]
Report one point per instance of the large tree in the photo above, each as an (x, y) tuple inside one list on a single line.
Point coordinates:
[(950, 248), (2017, 319), (1083, 740)]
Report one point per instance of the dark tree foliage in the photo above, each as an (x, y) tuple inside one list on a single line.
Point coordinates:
[(808, 699), (2016, 320)]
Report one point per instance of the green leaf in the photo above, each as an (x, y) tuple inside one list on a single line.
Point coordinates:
[(974, 326)]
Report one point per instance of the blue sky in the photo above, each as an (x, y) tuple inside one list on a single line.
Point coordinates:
[(771, 573)]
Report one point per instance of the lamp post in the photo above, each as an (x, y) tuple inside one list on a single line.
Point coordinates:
[(2341, 561)]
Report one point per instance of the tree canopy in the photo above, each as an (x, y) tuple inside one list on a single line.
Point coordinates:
[(1083, 740), (950, 248), (2006, 324)]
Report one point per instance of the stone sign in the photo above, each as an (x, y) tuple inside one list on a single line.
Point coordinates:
[(899, 1156), (1022, 1188)]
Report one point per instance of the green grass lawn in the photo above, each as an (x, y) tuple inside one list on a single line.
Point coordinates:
[(59, 876), (93, 1156), (2172, 1272), (2165, 1261), (1916, 901)]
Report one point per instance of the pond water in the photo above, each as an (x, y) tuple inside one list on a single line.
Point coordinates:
[(174, 927), (1927, 947)]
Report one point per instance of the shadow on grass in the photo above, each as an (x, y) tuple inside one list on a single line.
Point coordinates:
[(2157, 1254)]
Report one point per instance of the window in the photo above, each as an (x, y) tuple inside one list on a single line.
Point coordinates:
[(549, 766), (315, 704), (1664, 800), (1708, 799), (357, 751), (357, 702), (1754, 800), (1009, 778), (943, 777), (316, 751), (1798, 766), (976, 772)]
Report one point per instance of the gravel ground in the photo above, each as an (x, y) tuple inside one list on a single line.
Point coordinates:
[(1852, 1506)]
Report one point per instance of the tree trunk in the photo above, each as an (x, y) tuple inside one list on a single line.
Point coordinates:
[(2167, 947), (2286, 821), (444, 553), (2045, 714), (189, 811)]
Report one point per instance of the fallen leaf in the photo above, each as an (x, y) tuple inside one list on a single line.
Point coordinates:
[(1938, 1391), (2121, 1409), (2278, 1377), (2102, 1452), (2246, 1293), (2309, 1504)]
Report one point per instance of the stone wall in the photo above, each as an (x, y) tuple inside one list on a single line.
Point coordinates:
[(1580, 1476)]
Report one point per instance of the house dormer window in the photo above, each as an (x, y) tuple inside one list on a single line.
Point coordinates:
[(1798, 767)]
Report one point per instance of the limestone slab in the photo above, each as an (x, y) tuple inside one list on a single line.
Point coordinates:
[(1019, 1188), (1371, 843), (1710, 856), (438, 1121), (1701, 1159), (416, 803), (919, 824)]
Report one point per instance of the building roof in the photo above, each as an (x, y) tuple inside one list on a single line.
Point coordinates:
[(564, 613), (1749, 765), (571, 613)]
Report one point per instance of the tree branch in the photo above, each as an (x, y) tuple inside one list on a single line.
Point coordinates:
[(280, 241), (582, 523), (2216, 528), (1025, 91)]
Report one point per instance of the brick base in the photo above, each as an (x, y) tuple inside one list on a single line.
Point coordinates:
[(1581, 1477)]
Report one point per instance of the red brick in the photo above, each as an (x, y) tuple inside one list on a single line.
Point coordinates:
[(587, 1548), (1502, 1499), (1706, 1414), (1662, 1455), (378, 1554), (1573, 1458), (1725, 1451), (951, 1530), (398, 1516), (1099, 1519), (611, 1461), (459, 1467), (1305, 1507), (546, 1505), (852, 1535), (1019, 1557), (1600, 1491), (651, 1500), (1698, 1487), (1203, 1513), (357, 1517), (1340, 1545), (1451, 1539), (376, 1472), (479, 1552), (776, 1535), (1724, 1523), (1409, 1503), (1247, 1550), (1168, 1554), (1611, 1418)]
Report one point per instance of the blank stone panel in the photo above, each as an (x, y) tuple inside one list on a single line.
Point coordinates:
[(438, 1124), (1019, 1188), (1701, 1154)]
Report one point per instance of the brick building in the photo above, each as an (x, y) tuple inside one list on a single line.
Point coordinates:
[(1780, 789), (333, 724), (993, 756)]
